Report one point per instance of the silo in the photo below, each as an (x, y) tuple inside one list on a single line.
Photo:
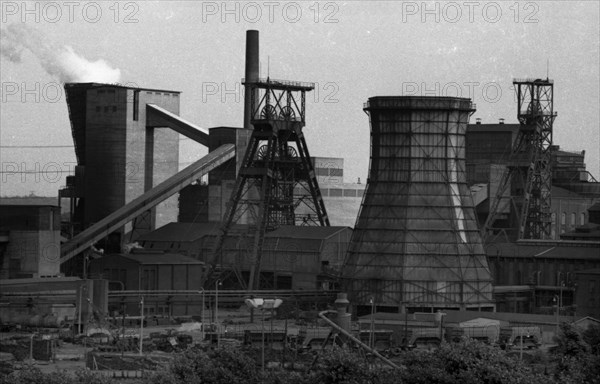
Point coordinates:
[(416, 244), (119, 155)]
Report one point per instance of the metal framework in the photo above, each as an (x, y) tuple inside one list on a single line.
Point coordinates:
[(276, 176), (416, 245), (529, 169)]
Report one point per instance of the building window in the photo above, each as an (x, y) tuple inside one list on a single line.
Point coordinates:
[(105, 109), (136, 105), (98, 108), (114, 108), (563, 218), (582, 218), (573, 218)]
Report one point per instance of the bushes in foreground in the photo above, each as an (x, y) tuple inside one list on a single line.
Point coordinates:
[(574, 360)]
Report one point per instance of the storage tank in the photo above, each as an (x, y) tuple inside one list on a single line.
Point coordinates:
[(416, 244)]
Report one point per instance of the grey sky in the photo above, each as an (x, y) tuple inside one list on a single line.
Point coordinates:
[(352, 50)]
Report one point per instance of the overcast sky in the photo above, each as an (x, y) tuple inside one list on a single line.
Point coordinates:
[(353, 50)]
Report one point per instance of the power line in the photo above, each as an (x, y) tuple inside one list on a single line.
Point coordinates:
[(55, 146), (36, 146)]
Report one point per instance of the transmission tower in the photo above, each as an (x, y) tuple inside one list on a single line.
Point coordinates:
[(529, 169), (276, 184)]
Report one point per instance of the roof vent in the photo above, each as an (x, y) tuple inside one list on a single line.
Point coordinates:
[(478, 120), (501, 120)]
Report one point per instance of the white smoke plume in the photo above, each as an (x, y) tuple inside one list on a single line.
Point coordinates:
[(61, 62)]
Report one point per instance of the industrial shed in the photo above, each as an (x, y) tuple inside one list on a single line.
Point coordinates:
[(528, 274), (151, 271), (294, 257)]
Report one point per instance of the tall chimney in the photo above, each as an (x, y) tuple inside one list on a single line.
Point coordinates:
[(252, 60)]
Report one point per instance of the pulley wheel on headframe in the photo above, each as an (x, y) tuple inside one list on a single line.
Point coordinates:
[(268, 112), (262, 152), (287, 113)]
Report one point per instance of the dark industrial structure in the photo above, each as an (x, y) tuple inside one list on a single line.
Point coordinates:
[(276, 175), (529, 170), (29, 241), (416, 244), (268, 216)]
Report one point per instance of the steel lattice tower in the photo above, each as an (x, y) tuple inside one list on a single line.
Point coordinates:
[(529, 169), (276, 176)]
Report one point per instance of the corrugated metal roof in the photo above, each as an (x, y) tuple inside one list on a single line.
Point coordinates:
[(562, 192), (553, 250), (184, 232), (181, 232), (594, 208), (493, 128), (462, 316), (158, 258)]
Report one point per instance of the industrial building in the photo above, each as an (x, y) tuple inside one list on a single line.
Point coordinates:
[(573, 191), (29, 241), (151, 271), (261, 212), (304, 257)]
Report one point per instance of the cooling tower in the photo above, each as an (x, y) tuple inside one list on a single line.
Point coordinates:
[(416, 244)]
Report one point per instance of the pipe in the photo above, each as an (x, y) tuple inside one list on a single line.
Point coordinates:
[(251, 76), (357, 341)]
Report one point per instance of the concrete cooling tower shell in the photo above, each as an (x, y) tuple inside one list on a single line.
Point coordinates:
[(416, 244)]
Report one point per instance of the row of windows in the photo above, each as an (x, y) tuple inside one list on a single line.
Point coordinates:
[(112, 91), (161, 93), (329, 172), (339, 192), (573, 216)]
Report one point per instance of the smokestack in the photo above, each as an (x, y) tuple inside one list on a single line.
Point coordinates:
[(252, 62)]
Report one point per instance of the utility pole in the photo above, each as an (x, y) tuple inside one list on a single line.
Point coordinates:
[(141, 324)]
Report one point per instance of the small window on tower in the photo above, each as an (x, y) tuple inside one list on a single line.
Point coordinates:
[(114, 108), (105, 109), (98, 108), (136, 105)]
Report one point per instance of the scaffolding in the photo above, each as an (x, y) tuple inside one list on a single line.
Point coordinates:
[(416, 244), (529, 172)]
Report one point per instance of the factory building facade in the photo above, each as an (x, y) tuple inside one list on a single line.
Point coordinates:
[(29, 241), (119, 155), (151, 271), (488, 149), (303, 257)]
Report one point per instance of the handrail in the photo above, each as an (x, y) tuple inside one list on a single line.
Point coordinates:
[(357, 341)]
